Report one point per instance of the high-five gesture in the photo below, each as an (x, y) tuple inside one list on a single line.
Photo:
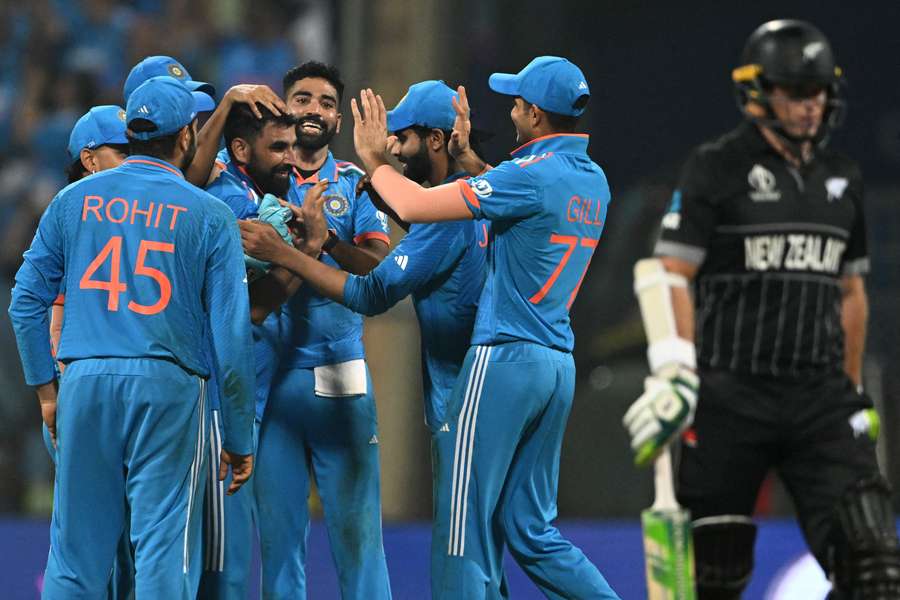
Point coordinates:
[(370, 129), (462, 126)]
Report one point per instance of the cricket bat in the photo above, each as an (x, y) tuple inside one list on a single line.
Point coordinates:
[(668, 545)]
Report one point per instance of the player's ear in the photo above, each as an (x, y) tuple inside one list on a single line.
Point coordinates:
[(240, 149), (88, 161), (537, 116), (436, 140)]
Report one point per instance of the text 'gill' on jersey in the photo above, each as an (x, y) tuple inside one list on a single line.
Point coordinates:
[(320, 331), (548, 207), (772, 243), (153, 267)]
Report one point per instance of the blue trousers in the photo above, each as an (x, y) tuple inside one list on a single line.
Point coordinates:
[(498, 478), (229, 529), (334, 440), (131, 435)]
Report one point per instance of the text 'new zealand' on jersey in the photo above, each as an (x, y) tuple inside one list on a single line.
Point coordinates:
[(548, 207), (138, 243), (772, 243), (317, 330)]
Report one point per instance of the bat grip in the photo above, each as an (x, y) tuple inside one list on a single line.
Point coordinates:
[(663, 481)]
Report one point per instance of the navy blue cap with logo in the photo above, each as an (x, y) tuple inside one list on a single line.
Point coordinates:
[(99, 126), (427, 104), (154, 66), (552, 83), (166, 103)]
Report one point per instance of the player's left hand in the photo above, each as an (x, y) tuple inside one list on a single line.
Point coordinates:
[(313, 217), (664, 410), (462, 126), (47, 394), (370, 134), (241, 469), (261, 241), (251, 95)]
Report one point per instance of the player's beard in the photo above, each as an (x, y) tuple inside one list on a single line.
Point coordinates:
[(319, 140), (269, 181), (418, 166)]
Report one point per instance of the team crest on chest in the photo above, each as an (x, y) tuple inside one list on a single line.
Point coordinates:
[(763, 183), (336, 205)]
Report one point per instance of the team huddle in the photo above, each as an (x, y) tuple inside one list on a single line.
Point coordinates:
[(191, 317)]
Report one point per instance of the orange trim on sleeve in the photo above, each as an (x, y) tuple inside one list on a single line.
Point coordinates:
[(467, 193), (60, 300), (372, 235)]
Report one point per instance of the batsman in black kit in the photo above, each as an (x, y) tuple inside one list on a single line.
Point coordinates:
[(767, 227)]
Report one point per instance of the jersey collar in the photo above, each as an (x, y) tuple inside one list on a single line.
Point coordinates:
[(573, 143), (328, 170), (151, 162)]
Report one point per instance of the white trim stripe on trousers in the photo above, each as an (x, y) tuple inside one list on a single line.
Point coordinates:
[(214, 553), (195, 468), (463, 450)]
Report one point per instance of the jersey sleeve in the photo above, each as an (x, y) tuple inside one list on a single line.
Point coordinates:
[(38, 283), (228, 306), (369, 223), (691, 217), (506, 192), (425, 254), (856, 257), (242, 206)]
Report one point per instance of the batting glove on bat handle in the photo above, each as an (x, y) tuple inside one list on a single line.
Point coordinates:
[(664, 410)]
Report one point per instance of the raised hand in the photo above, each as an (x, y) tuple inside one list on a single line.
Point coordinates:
[(370, 135), (462, 126), (261, 241), (313, 218), (252, 95)]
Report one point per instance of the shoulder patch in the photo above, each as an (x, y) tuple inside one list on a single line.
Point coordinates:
[(345, 167)]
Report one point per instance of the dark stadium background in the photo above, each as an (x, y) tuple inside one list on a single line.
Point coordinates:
[(660, 79)]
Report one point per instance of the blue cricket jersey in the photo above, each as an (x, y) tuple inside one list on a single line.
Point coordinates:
[(154, 269), (443, 266), (548, 206), (317, 330), (236, 188)]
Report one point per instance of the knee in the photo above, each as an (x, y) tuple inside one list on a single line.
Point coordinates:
[(723, 555), (863, 551)]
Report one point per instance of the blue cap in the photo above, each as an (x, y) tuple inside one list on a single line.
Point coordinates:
[(428, 103), (98, 126), (551, 82), (165, 102), (154, 66)]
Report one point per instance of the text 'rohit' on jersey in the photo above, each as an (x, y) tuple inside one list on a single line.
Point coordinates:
[(548, 206)]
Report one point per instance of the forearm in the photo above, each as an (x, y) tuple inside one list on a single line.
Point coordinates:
[(326, 280), (471, 163), (415, 204), (207, 146), (854, 316), (683, 307), (56, 319), (270, 292), (32, 329), (354, 259)]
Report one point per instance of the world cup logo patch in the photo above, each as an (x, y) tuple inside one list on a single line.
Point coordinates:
[(336, 205)]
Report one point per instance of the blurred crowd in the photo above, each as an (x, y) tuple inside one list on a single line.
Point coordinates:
[(57, 59)]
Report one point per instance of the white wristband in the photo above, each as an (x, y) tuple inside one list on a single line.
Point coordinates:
[(671, 350)]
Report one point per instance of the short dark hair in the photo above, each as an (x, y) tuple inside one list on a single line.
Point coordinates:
[(75, 171), (564, 123), (475, 137), (242, 123), (161, 147), (317, 69)]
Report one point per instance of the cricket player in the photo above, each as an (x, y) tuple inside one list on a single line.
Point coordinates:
[(260, 155), (767, 226), (441, 264), (201, 171), (153, 258), (320, 416), (509, 408)]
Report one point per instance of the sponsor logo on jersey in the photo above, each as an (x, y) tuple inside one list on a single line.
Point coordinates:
[(336, 205), (763, 183), (481, 188), (382, 218), (445, 427), (835, 187), (373, 440), (402, 261), (793, 252)]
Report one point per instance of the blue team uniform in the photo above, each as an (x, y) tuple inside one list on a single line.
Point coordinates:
[(229, 521), (320, 417), (508, 410), (152, 265)]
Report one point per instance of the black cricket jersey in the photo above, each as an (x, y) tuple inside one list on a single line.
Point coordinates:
[(772, 243)]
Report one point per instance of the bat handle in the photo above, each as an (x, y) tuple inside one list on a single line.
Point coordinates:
[(664, 482)]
